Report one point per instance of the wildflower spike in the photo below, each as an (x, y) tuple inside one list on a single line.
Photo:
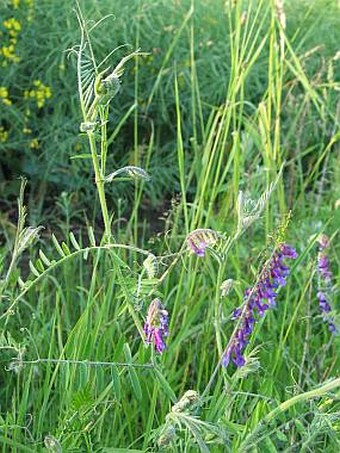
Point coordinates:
[(257, 301), (325, 283), (156, 326)]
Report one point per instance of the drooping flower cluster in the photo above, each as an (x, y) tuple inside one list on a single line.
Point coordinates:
[(156, 326), (198, 240), (323, 261), (257, 301), (325, 283)]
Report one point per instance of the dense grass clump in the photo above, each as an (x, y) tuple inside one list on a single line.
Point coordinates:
[(168, 278)]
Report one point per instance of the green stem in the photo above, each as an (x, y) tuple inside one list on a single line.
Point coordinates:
[(315, 393), (103, 113), (99, 178), (10, 267), (88, 363), (218, 327)]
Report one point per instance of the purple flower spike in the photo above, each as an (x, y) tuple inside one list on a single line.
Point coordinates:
[(288, 251), (325, 283), (325, 309), (324, 267), (258, 300), (324, 305), (156, 326), (158, 340)]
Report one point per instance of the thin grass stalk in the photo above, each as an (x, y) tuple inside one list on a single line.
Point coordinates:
[(181, 158)]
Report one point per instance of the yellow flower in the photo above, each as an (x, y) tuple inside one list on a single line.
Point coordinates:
[(40, 93), (12, 24), (13, 27), (8, 53), (15, 3), (4, 96), (3, 92), (48, 92), (34, 143), (3, 135)]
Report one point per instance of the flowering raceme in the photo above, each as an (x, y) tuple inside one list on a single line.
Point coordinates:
[(325, 283), (156, 326), (198, 240), (257, 301)]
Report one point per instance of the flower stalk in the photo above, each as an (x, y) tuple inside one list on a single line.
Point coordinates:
[(99, 180), (257, 301)]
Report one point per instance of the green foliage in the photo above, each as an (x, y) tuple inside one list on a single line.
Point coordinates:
[(234, 118), (190, 46)]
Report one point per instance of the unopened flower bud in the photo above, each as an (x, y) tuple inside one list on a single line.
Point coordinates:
[(106, 89), (226, 287), (188, 400)]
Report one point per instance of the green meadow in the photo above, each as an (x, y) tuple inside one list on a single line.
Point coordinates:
[(169, 220)]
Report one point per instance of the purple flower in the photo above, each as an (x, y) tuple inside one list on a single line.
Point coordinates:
[(332, 328), (325, 283), (323, 241), (156, 326), (198, 248), (288, 251), (324, 267), (323, 302), (325, 309), (257, 301), (198, 240)]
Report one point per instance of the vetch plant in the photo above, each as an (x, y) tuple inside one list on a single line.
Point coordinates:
[(76, 348), (96, 89), (24, 237), (257, 301), (156, 326), (198, 240), (324, 291), (183, 418)]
